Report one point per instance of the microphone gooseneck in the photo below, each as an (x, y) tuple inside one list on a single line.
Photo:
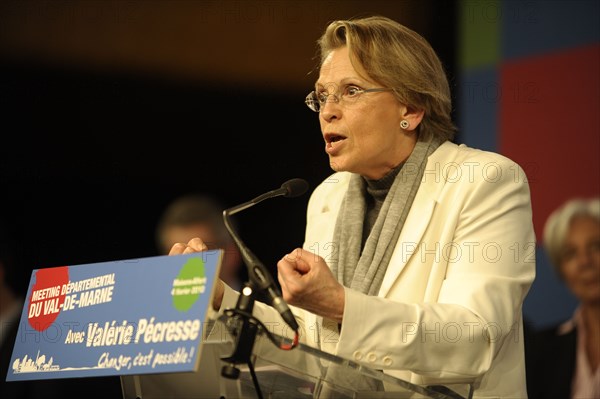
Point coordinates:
[(259, 275), (290, 189)]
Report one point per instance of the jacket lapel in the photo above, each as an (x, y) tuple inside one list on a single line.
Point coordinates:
[(419, 217), (420, 214)]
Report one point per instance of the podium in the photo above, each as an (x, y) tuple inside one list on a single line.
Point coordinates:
[(86, 321), (303, 372)]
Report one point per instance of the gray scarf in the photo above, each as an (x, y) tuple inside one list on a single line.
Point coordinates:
[(364, 271)]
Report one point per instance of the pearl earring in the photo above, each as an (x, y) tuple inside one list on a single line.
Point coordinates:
[(404, 124)]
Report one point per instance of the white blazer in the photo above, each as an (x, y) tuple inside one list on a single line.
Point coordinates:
[(449, 308)]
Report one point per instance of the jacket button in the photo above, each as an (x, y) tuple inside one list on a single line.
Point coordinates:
[(371, 357), (387, 361), (358, 355)]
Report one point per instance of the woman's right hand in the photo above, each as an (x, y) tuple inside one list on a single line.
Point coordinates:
[(193, 245), (197, 245)]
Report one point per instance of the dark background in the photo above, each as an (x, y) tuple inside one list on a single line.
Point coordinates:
[(98, 135)]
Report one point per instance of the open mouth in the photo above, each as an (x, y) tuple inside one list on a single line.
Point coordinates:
[(331, 138), (333, 143)]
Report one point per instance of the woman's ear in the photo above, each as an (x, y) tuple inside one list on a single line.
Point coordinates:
[(411, 117)]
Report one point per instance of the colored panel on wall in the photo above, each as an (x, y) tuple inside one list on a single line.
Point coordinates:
[(537, 27), (540, 61), (549, 124), (479, 33), (478, 101)]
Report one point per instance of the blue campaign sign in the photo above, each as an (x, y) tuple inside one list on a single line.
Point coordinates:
[(134, 316)]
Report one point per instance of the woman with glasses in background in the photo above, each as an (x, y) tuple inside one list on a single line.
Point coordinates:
[(418, 252)]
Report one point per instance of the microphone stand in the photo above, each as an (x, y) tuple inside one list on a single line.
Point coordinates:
[(243, 327), (240, 322)]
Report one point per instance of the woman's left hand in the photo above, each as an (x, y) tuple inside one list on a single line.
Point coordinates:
[(307, 282)]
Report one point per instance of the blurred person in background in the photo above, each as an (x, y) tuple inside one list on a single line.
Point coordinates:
[(13, 286), (200, 215), (562, 361)]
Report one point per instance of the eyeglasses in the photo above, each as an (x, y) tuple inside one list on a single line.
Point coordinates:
[(349, 95)]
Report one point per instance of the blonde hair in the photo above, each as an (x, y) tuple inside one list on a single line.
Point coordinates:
[(399, 58), (558, 223)]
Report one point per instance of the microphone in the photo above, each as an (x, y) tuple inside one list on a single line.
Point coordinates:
[(258, 273), (290, 189)]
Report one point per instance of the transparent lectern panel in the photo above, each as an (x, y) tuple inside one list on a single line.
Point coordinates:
[(303, 372), (307, 372)]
